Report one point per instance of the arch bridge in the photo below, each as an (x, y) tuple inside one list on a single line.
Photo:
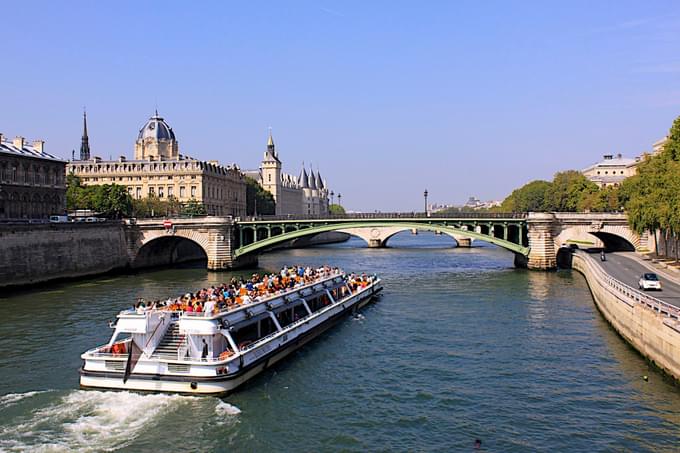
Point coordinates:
[(227, 243), (508, 231)]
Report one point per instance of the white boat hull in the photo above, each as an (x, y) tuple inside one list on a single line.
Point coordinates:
[(226, 383)]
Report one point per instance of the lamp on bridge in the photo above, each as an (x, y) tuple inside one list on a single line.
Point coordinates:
[(332, 195), (339, 199), (425, 195)]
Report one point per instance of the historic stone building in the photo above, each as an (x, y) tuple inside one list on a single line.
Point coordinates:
[(306, 194), (612, 170), (158, 169), (32, 182)]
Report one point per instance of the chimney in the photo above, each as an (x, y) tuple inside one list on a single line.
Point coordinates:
[(618, 156), (121, 159), (38, 145), (18, 142), (608, 157)]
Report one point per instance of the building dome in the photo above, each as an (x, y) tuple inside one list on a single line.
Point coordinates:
[(156, 128)]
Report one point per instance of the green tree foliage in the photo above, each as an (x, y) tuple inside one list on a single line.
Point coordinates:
[(530, 197), (152, 206), (567, 191), (109, 200), (652, 196), (193, 208), (336, 209), (258, 199)]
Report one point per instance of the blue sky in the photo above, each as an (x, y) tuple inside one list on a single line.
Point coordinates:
[(386, 98)]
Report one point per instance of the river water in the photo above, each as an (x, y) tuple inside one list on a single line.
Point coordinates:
[(461, 346)]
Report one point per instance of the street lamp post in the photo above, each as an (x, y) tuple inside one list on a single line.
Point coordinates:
[(425, 195), (332, 197), (339, 199)]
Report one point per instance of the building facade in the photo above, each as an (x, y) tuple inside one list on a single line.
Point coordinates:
[(159, 170), (32, 182), (611, 170), (306, 194)]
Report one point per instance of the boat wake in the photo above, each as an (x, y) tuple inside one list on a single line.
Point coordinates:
[(12, 399), (95, 421)]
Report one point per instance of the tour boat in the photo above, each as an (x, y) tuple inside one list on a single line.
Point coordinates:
[(160, 350)]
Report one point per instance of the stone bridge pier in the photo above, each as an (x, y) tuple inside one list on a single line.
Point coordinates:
[(547, 232), (150, 243)]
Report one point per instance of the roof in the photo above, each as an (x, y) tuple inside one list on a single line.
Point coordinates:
[(7, 147), (614, 162), (157, 128)]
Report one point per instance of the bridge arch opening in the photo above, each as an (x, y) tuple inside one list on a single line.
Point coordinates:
[(167, 251), (404, 239), (614, 242)]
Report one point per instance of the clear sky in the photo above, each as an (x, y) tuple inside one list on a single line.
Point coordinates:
[(387, 98)]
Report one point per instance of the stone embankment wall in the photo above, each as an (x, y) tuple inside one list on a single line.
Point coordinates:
[(649, 325), (38, 253)]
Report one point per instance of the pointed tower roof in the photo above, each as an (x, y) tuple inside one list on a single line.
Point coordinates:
[(85, 141), (303, 180), (270, 154), (312, 180), (319, 181)]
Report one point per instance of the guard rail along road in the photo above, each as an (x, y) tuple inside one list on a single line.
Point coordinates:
[(647, 323)]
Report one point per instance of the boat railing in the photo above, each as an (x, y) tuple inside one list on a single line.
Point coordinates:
[(268, 298)]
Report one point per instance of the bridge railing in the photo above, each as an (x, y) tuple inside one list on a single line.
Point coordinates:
[(388, 215), (627, 293)]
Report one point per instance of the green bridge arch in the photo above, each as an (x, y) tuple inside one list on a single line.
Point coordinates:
[(303, 229)]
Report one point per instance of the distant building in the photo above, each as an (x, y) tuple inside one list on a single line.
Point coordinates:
[(612, 170), (306, 194), (159, 170), (658, 146), (32, 182)]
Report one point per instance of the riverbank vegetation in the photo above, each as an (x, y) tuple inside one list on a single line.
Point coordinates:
[(258, 200), (652, 196), (113, 201)]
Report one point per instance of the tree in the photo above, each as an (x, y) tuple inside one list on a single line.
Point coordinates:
[(193, 207), (652, 196), (530, 197), (258, 200), (567, 190), (112, 200), (336, 209)]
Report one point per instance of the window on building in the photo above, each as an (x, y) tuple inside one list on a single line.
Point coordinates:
[(151, 191), (182, 193), (139, 178), (170, 191), (169, 178), (193, 191), (161, 192), (193, 176), (139, 192), (269, 178)]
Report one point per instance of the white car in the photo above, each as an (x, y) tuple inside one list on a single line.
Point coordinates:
[(649, 281)]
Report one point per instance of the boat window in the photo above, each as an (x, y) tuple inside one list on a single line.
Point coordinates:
[(245, 335), (285, 317), (267, 327), (299, 312)]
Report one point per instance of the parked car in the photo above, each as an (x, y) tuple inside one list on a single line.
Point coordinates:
[(58, 218), (649, 281)]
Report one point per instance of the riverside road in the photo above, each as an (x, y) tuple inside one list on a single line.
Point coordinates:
[(623, 267)]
